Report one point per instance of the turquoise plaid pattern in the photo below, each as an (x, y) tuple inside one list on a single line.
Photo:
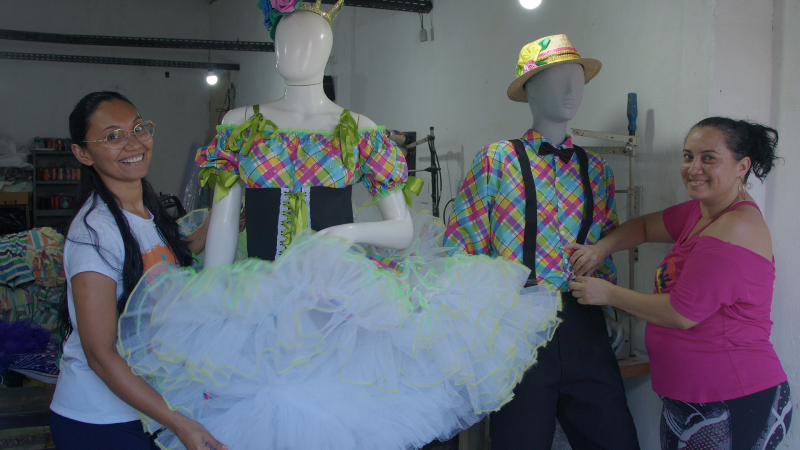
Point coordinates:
[(489, 213)]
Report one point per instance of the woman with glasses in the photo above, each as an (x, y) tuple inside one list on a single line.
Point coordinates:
[(119, 231)]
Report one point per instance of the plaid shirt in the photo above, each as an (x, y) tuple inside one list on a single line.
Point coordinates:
[(489, 212)]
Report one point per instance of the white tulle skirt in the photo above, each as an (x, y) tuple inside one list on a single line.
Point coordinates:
[(324, 349)]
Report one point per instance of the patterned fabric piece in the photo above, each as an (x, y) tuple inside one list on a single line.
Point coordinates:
[(14, 270), (293, 158), (489, 212), (38, 304), (385, 262), (45, 256)]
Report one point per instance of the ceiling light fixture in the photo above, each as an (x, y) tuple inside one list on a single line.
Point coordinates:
[(530, 4), (212, 77)]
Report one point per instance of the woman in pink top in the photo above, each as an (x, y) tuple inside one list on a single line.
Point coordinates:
[(712, 363)]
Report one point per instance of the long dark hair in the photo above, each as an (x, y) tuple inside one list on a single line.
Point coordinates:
[(93, 190), (743, 139)]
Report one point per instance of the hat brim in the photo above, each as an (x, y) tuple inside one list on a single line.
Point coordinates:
[(516, 91)]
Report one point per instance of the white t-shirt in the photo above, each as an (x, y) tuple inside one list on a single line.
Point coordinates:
[(80, 394)]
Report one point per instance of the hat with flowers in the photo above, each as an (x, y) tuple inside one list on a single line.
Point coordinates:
[(544, 53)]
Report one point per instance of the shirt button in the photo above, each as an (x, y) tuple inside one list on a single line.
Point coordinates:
[(562, 232)]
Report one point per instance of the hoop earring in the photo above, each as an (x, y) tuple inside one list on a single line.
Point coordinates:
[(741, 191)]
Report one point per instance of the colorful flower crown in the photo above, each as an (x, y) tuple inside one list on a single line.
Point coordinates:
[(274, 10)]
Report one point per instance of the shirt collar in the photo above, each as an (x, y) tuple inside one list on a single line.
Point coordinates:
[(533, 135)]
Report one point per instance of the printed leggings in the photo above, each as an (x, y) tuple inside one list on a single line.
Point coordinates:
[(754, 422)]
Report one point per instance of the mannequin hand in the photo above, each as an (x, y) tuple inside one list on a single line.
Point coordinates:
[(194, 436), (592, 291), (346, 232), (584, 259)]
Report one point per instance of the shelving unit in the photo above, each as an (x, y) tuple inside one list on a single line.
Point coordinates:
[(58, 188), (15, 211), (634, 208)]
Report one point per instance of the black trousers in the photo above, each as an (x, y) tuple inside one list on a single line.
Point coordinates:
[(576, 380), (69, 434)]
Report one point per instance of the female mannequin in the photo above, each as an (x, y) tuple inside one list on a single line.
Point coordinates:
[(303, 44), (314, 344)]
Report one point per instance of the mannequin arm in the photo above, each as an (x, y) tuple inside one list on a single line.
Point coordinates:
[(223, 228), (395, 231)]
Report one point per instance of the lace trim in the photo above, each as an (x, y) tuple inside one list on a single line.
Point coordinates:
[(280, 248), (383, 193)]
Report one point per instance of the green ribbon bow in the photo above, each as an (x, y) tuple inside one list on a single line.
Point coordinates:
[(220, 179), (413, 186), (256, 124), (347, 133), (296, 217)]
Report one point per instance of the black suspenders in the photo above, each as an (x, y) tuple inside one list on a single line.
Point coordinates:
[(532, 203)]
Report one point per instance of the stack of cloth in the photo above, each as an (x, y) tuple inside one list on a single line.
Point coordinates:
[(31, 276), (31, 287)]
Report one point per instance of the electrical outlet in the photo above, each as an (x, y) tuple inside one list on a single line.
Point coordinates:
[(423, 35)]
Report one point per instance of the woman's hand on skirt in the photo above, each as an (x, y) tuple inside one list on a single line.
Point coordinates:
[(194, 436)]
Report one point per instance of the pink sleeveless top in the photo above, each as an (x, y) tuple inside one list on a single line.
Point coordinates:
[(728, 290)]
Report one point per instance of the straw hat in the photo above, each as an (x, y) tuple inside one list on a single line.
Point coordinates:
[(544, 53)]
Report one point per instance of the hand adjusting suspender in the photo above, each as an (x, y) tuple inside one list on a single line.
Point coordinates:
[(532, 204)]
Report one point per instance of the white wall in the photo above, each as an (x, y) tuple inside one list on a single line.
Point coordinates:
[(37, 97), (258, 80), (781, 197)]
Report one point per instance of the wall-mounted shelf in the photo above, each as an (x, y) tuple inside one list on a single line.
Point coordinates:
[(59, 182), (634, 366), (123, 41), (417, 6), (55, 212)]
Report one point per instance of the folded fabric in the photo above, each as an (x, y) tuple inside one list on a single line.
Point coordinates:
[(14, 270), (44, 256)]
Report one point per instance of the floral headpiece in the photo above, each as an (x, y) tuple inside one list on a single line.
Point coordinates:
[(330, 15), (274, 10)]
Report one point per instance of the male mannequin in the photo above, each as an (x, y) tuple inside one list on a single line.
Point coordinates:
[(303, 43), (576, 378)]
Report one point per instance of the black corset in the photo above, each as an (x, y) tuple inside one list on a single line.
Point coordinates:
[(327, 207)]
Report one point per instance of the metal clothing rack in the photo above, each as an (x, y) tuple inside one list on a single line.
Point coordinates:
[(633, 192), (634, 207)]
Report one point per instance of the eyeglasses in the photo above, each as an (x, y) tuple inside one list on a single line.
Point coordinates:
[(118, 139)]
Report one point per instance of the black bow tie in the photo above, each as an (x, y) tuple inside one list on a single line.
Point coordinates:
[(565, 154)]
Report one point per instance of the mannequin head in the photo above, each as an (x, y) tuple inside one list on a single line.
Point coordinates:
[(303, 43), (555, 94)]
